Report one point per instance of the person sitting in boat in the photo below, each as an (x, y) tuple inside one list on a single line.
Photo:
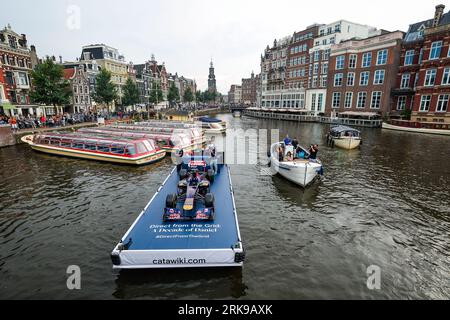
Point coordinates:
[(287, 140), (289, 157), (313, 149), (280, 154)]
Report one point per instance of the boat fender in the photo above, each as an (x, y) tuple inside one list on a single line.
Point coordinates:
[(239, 257), (115, 258)]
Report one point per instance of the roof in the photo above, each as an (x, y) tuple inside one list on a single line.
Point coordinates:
[(69, 73), (414, 28)]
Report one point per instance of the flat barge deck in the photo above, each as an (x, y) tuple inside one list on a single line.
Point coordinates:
[(151, 243)]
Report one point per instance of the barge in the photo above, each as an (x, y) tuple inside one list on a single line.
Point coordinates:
[(153, 241)]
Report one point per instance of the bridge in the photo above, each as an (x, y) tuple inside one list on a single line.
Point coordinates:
[(238, 108)]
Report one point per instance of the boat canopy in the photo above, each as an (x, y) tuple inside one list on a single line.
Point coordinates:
[(209, 120), (340, 129)]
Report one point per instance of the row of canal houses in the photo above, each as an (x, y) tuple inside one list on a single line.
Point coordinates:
[(17, 60), (345, 69)]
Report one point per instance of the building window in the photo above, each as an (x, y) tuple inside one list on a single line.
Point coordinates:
[(316, 68), (352, 61), (364, 80), (442, 103), (351, 79), (376, 100), (320, 102), (336, 99), (326, 54), (348, 100), (409, 57), (23, 79), (379, 77), (430, 77), (338, 78), (405, 81), (425, 103), (382, 57), (435, 52), (401, 103), (446, 77), (325, 68), (313, 102), (340, 61), (316, 56), (421, 56), (362, 98), (366, 60), (324, 81), (315, 82)]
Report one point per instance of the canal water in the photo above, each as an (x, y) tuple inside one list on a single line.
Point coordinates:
[(385, 205)]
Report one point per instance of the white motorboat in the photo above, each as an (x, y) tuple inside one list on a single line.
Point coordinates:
[(237, 114), (300, 171), (344, 137)]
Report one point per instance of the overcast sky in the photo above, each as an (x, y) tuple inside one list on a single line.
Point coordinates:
[(186, 34)]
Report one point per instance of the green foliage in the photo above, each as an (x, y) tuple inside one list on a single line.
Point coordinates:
[(188, 95), (174, 94), (130, 93), (406, 114), (206, 96), (105, 90), (50, 87), (156, 94)]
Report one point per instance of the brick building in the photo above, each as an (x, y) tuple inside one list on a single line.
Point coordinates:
[(235, 95), (249, 90), (15, 65), (361, 75), (423, 81)]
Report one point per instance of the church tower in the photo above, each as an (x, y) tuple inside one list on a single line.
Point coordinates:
[(212, 79)]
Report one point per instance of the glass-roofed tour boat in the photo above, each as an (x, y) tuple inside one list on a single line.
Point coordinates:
[(135, 151)]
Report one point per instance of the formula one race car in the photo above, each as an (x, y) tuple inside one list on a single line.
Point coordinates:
[(193, 201)]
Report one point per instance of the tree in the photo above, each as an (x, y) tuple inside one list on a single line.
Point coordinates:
[(130, 93), (105, 90), (174, 94), (50, 87), (198, 96), (156, 94), (188, 95)]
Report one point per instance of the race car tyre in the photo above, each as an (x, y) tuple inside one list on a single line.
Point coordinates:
[(210, 175), (171, 201), (209, 200), (183, 174)]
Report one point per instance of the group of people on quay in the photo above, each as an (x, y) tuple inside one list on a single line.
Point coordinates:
[(18, 122), (298, 151)]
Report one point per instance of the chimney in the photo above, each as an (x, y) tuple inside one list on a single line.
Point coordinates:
[(60, 60), (33, 48), (438, 15)]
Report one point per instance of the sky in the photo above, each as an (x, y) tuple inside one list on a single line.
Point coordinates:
[(187, 34)]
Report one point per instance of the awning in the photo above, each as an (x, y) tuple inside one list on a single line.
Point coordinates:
[(355, 113)]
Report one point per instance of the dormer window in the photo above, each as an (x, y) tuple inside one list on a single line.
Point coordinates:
[(12, 42)]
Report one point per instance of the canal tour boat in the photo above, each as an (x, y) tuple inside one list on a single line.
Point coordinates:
[(302, 172), (167, 142), (203, 235), (194, 133), (344, 137), (124, 151), (212, 125)]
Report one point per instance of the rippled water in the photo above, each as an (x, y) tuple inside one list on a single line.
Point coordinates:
[(386, 204)]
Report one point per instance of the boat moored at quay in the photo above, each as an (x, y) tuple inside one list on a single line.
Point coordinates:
[(190, 230), (116, 150), (195, 134), (167, 142)]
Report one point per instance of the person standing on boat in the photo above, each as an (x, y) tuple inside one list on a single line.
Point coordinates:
[(213, 154), (180, 154), (295, 143), (313, 151), (287, 140)]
